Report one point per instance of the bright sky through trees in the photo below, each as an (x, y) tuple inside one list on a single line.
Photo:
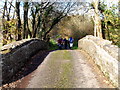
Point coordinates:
[(108, 2)]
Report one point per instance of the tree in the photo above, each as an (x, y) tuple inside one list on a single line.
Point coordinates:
[(97, 20), (110, 23), (26, 29), (5, 23), (4, 26), (19, 37), (46, 15), (57, 16)]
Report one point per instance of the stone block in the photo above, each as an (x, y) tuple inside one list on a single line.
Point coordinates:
[(104, 54), (18, 56)]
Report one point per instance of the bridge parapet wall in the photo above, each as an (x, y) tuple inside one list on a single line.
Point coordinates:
[(104, 54), (18, 56)]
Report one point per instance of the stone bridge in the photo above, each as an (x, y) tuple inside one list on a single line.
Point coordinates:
[(105, 55)]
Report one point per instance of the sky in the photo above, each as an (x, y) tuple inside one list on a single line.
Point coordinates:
[(108, 2)]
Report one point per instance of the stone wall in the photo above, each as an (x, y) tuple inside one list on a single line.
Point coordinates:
[(18, 55), (104, 54)]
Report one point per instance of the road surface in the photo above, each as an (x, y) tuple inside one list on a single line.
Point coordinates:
[(66, 69)]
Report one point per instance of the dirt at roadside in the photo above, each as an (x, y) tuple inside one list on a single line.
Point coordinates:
[(103, 81)]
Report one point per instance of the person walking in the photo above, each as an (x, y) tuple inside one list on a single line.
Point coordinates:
[(71, 40), (65, 43), (60, 43)]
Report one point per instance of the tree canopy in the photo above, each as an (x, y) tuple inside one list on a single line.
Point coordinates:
[(22, 20)]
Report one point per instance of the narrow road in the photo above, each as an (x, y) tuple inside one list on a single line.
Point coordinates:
[(65, 69)]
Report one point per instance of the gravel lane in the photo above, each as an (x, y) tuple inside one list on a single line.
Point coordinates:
[(65, 69), (84, 77), (54, 72)]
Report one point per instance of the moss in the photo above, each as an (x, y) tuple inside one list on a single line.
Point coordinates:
[(66, 66), (99, 67), (66, 55), (107, 75), (65, 79)]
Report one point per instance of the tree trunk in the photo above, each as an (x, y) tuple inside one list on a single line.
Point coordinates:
[(25, 31), (33, 26), (97, 20), (28, 32), (19, 37), (108, 33), (103, 30)]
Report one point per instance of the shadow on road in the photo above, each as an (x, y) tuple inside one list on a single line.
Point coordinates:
[(30, 66)]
